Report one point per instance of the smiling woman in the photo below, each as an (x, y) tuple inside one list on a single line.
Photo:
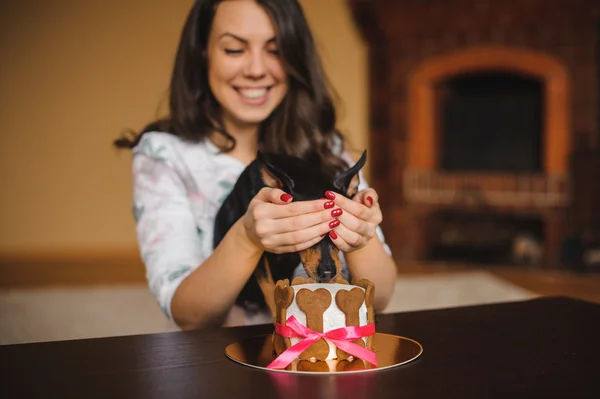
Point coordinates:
[(246, 78), (229, 46)]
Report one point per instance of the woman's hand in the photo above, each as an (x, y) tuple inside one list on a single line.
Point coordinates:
[(359, 219), (276, 224)]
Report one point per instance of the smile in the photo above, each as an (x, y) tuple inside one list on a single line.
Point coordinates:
[(253, 95)]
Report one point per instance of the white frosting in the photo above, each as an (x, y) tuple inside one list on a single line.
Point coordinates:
[(332, 318)]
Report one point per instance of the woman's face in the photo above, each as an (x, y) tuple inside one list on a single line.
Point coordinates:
[(245, 73)]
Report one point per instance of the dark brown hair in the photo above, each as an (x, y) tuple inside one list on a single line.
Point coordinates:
[(303, 125)]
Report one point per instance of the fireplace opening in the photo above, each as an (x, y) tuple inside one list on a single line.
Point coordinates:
[(491, 121), (486, 238)]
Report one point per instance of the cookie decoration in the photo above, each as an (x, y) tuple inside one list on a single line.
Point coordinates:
[(350, 303), (314, 304), (284, 296)]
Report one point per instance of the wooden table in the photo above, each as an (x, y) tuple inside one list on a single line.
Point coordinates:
[(539, 348)]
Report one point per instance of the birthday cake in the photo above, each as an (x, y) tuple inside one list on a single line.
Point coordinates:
[(329, 366), (323, 322)]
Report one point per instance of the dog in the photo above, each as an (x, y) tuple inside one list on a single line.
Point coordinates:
[(304, 181)]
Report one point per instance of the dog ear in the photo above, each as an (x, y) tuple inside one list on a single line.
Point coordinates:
[(272, 176), (347, 182)]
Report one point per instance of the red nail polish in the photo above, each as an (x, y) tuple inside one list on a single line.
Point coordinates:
[(370, 201), (329, 204), (285, 197), (336, 212), (334, 223), (330, 195), (332, 235)]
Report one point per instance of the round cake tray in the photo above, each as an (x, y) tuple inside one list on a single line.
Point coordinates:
[(391, 351)]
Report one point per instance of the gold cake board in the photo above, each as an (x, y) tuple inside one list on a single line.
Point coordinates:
[(391, 351)]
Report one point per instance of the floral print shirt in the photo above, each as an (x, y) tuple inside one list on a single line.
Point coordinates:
[(178, 189)]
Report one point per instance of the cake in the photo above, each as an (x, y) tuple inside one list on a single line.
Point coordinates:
[(329, 366), (322, 308)]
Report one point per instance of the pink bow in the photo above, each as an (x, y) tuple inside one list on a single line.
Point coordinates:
[(341, 337)]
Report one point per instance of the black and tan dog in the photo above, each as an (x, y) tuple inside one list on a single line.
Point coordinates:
[(303, 181)]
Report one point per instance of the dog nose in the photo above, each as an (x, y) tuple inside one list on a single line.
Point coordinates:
[(325, 274)]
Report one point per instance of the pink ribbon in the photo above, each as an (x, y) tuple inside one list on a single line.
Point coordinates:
[(341, 337)]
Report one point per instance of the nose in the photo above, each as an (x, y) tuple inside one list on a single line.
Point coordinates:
[(325, 272), (256, 67)]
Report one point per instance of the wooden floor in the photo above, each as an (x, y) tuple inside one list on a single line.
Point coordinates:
[(584, 286)]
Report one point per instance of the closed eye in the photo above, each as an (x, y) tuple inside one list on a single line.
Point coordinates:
[(231, 51)]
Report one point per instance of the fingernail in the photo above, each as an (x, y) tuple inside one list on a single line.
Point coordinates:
[(370, 201), (334, 223), (323, 235), (329, 204), (336, 212), (332, 235), (285, 197), (330, 195)]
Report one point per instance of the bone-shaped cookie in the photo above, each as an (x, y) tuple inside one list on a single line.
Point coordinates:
[(352, 365), (314, 304), (369, 297), (350, 302), (340, 280), (370, 302), (317, 367), (284, 295), (303, 280)]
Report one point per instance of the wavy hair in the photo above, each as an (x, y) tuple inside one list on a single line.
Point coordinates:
[(302, 125)]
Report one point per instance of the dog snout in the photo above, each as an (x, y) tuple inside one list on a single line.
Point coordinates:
[(326, 272)]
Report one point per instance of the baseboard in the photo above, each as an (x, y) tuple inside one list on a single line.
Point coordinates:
[(70, 268)]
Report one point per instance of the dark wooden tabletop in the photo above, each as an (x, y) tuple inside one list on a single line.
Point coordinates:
[(540, 348)]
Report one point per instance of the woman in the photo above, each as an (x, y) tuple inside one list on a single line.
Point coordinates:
[(246, 77)]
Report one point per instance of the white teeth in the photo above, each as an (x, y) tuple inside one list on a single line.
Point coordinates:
[(253, 93)]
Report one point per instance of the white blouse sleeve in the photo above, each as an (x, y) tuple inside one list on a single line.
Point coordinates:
[(168, 237)]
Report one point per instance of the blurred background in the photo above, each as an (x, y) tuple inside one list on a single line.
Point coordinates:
[(482, 121)]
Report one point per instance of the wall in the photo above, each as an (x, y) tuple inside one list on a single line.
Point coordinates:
[(73, 75)]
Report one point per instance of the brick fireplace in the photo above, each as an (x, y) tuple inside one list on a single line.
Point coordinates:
[(480, 114)]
